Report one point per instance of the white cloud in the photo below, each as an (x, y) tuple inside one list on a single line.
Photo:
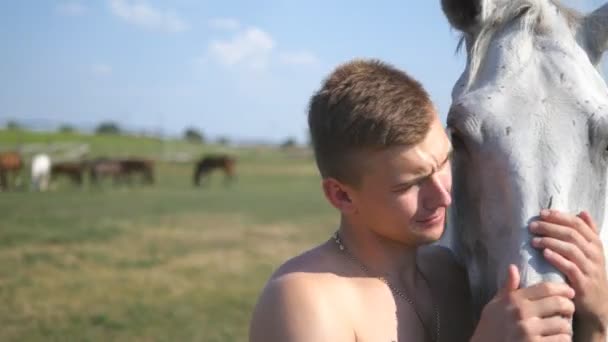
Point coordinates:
[(224, 24), (139, 13), (101, 69), (251, 47), (71, 9), (298, 58)]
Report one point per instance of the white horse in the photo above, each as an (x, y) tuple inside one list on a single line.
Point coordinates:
[(41, 172), (529, 118)]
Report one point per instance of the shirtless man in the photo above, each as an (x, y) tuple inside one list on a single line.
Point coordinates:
[(384, 159)]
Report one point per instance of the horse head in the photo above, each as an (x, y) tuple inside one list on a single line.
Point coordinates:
[(529, 125)]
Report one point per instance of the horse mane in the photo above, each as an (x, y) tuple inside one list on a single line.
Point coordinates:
[(492, 20)]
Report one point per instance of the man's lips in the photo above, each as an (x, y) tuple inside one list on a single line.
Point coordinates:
[(431, 219)]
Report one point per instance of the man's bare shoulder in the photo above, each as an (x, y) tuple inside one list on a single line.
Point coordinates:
[(298, 302), (310, 276), (320, 261)]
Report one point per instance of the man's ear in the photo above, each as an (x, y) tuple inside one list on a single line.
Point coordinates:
[(339, 195)]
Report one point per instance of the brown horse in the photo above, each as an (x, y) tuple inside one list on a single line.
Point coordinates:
[(145, 167), (72, 170), (104, 167), (121, 170), (209, 163), (10, 162)]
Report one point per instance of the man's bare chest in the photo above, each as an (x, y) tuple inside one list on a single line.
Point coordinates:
[(386, 317), (387, 320)]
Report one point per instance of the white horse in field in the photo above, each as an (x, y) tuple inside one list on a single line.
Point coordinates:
[(529, 118), (41, 172)]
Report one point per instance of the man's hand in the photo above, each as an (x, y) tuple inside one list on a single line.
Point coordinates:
[(571, 243), (537, 313)]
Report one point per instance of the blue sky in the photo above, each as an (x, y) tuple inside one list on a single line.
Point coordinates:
[(236, 68)]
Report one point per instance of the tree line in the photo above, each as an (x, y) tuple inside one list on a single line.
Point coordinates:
[(190, 134)]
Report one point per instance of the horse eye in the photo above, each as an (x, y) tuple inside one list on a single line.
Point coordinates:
[(523, 11), (455, 138)]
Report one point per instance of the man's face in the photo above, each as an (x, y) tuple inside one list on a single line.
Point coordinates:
[(405, 191)]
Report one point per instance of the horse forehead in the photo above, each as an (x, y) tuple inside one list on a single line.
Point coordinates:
[(550, 51), (533, 101), (547, 64), (543, 90)]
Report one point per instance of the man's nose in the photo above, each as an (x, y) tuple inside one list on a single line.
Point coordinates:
[(438, 193)]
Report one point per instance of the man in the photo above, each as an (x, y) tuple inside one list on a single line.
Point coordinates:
[(384, 159)]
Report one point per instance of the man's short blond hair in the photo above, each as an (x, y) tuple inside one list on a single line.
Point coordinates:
[(365, 105)]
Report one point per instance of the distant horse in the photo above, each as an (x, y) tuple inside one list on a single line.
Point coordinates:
[(121, 170), (72, 170), (104, 167), (40, 172), (145, 167), (10, 163), (209, 163)]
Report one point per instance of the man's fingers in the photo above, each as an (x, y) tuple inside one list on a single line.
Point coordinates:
[(567, 267), (562, 233), (512, 281), (586, 217), (568, 250), (555, 326), (546, 327), (572, 221), (546, 289), (557, 338), (552, 306)]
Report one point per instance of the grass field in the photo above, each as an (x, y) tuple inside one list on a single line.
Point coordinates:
[(159, 263)]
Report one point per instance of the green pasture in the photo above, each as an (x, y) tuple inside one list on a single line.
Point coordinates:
[(167, 262)]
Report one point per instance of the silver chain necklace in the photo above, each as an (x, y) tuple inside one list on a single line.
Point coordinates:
[(393, 289)]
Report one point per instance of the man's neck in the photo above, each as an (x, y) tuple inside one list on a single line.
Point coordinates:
[(381, 256)]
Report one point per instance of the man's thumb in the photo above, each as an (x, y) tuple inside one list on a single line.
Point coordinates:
[(512, 282)]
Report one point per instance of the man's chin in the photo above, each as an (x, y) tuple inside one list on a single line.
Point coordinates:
[(429, 233)]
